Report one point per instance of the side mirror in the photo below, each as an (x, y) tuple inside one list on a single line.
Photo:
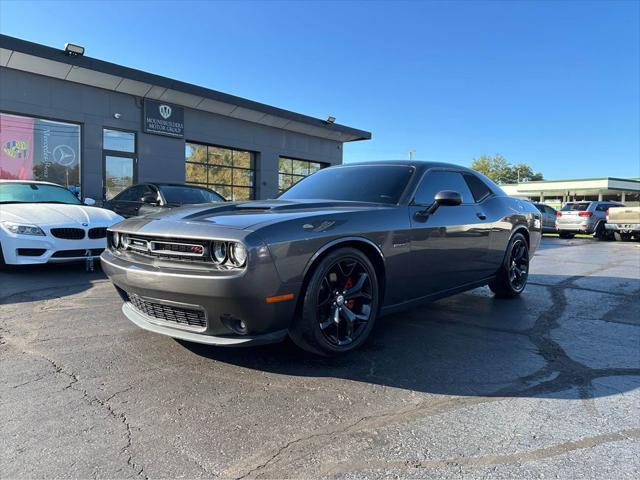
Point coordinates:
[(89, 201), (444, 198), (150, 198)]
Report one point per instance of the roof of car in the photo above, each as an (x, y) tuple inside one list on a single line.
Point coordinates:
[(418, 164)]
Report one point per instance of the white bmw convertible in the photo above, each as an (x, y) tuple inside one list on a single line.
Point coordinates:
[(43, 222)]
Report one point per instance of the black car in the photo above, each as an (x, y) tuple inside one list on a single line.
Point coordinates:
[(146, 198), (324, 260)]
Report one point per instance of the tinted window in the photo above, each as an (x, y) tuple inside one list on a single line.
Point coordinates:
[(437, 181), (550, 210), (133, 194), (188, 195), (539, 207), (364, 183), (478, 188), (35, 193), (576, 207)]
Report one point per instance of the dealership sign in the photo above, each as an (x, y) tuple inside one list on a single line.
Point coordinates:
[(163, 119)]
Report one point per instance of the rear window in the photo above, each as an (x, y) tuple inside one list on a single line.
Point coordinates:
[(576, 207)]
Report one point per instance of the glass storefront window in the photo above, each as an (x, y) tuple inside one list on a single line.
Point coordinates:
[(229, 172), (118, 174), (291, 171), (118, 141), (36, 149)]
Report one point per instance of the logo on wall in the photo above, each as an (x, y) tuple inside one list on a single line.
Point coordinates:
[(165, 111), (64, 155), (163, 119), (17, 149)]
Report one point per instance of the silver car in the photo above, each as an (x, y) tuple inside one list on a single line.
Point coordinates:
[(584, 217)]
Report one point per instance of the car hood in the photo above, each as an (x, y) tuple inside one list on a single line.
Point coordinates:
[(56, 213), (241, 215)]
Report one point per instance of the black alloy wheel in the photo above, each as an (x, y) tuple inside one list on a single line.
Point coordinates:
[(340, 304), (511, 279), (519, 265), (344, 301)]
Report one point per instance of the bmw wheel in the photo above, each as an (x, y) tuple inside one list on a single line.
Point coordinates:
[(514, 272), (340, 304)]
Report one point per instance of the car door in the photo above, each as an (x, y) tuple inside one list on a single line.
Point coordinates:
[(450, 247), (128, 202)]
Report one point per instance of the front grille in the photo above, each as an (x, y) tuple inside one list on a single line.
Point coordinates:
[(187, 317), (94, 252), (100, 232), (31, 252), (168, 248), (68, 233)]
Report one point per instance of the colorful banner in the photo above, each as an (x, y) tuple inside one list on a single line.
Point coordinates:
[(35, 149), (16, 147)]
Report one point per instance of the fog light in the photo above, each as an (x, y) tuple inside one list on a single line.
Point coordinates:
[(234, 324)]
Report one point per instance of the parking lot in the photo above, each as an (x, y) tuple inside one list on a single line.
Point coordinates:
[(544, 385)]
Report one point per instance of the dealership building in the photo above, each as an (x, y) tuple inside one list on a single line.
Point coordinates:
[(97, 127), (558, 192)]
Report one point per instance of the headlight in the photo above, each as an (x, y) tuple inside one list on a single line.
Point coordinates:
[(237, 254), (219, 251), (116, 239), (23, 229)]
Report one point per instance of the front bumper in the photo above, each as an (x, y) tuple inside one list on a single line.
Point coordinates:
[(46, 249), (225, 298)]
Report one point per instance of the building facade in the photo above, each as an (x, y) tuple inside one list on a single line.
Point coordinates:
[(97, 127), (558, 192)]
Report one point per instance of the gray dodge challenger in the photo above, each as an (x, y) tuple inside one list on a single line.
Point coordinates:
[(325, 259)]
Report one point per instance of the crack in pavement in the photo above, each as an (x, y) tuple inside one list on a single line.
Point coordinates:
[(560, 372), (488, 460), (93, 400)]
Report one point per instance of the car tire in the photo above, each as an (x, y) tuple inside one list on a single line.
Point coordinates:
[(566, 235), (622, 237), (317, 327), (601, 233), (512, 277)]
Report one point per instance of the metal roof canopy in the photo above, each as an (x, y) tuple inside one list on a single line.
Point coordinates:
[(42, 60), (588, 185)]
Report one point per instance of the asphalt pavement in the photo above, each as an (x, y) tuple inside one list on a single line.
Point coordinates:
[(546, 385)]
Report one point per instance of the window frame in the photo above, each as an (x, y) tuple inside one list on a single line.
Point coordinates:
[(253, 161), (119, 153), (413, 202)]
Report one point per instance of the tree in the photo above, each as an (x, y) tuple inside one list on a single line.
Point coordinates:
[(499, 170)]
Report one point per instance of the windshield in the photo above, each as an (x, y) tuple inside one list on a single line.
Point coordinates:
[(575, 207), (188, 195), (362, 183), (35, 193)]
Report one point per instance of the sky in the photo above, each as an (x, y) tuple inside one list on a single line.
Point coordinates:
[(555, 85)]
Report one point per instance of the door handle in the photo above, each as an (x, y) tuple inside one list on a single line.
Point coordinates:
[(481, 216)]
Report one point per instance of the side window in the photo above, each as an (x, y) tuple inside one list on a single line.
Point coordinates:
[(439, 180), (132, 194), (603, 207), (550, 210), (478, 188)]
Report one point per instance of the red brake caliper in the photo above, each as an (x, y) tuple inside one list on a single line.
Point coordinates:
[(347, 286)]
